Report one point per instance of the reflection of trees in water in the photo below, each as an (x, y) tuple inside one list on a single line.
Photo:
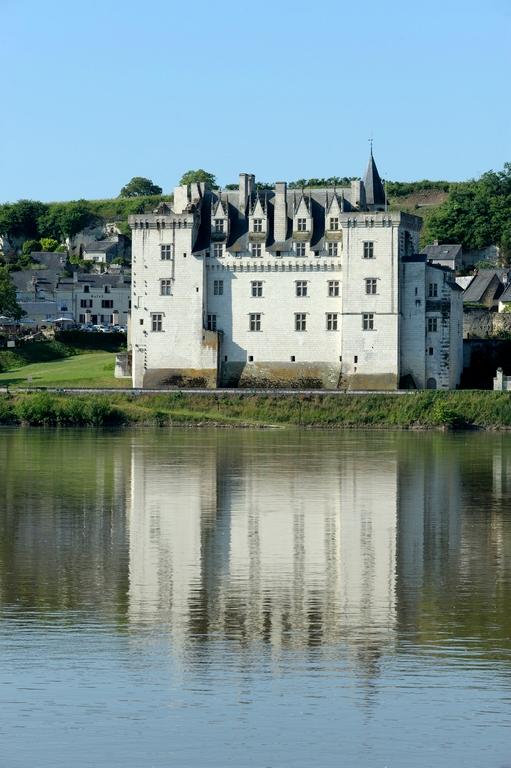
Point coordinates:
[(62, 519)]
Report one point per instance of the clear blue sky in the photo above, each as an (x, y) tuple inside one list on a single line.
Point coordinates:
[(94, 93)]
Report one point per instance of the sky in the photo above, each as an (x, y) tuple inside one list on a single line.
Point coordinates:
[(95, 93)]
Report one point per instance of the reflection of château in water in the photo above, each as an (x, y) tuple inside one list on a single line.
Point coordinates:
[(296, 548)]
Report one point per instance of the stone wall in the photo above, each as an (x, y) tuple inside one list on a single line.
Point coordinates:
[(482, 324)]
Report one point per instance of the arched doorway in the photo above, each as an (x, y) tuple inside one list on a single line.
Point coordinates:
[(431, 384)]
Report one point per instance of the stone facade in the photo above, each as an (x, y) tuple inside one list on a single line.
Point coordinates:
[(311, 288)]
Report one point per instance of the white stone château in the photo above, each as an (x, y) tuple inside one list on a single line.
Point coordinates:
[(302, 288)]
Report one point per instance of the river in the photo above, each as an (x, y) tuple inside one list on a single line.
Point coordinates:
[(264, 598)]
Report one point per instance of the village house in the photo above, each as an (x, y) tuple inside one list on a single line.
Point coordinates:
[(97, 299), (304, 288)]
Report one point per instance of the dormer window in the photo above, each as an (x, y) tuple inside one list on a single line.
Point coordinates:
[(86, 289), (107, 289), (334, 224), (301, 225), (219, 225), (258, 225)]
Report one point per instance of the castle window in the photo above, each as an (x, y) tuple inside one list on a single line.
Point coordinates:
[(301, 288), (331, 321), (258, 225), (218, 250), (332, 249), (368, 321), (300, 321), (301, 225), (166, 252), (156, 322), (256, 249), (432, 324), (166, 287), (369, 250), (300, 249), (333, 287), (433, 290), (251, 358), (219, 225), (218, 287), (293, 358), (334, 224), (255, 321), (371, 285), (257, 288), (211, 322)]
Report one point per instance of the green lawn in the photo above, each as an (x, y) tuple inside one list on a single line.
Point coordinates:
[(93, 369)]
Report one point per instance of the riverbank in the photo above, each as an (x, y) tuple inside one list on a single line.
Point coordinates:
[(417, 410)]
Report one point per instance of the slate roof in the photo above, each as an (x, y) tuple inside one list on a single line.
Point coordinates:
[(375, 194), (100, 246), (443, 252), (28, 280), (506, 296), (480, 284)]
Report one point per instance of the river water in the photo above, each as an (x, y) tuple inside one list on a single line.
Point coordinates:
[(254, 598)]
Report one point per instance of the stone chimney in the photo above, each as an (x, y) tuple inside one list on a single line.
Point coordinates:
[(247, 184), (280, 211), (180, 198)]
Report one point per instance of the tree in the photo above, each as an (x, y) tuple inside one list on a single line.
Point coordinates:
[(21, 218), (49, 244), (198, 176), (63, 220), (8, 304), (140, 187), (29, 246)]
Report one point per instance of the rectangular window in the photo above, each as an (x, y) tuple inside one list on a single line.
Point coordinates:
[(332, 249), (301, 225), (333, 287), (156, 321), (331, 321), (371, 285), (430, 350), (256, 249), (433, 290), (86, 303), (300, 249), (166, 287), (301, 288), (107, 304), (258, 225), (218, 250), (369, 250), (300, 321), (211, 322), (334, 224), (255, 321), (257, 288), (81, 318), (218, 287), (368, 321), (107, 289), (166, 252), (219, 225), (432, 324)]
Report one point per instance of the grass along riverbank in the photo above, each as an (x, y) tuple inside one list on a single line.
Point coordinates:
[(469, 409)]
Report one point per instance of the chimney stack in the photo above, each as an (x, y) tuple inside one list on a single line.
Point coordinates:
[(280, 212), (247, 184)]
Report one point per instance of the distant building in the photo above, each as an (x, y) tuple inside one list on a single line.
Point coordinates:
[(104, 251), (445, 255), (315, 287), (97, 299)]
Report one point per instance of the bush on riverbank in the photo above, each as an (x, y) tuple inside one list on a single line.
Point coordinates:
[(470, 409)]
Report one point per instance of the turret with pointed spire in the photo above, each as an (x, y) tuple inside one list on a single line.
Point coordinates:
[(375, 194)]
